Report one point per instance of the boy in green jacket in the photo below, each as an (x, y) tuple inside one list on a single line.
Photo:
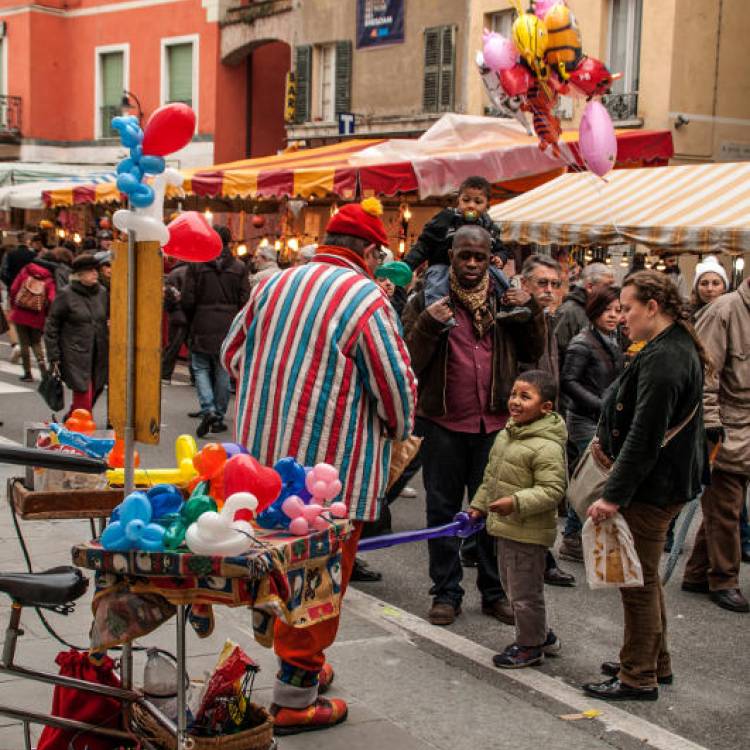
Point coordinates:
[(525, 478)]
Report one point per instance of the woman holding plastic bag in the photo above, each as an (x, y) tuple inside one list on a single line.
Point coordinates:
[(652, 430)]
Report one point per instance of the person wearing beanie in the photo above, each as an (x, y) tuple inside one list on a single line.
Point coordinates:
[(265, 263), (323, 375), (306, 254), (76, 334), (709, 284)]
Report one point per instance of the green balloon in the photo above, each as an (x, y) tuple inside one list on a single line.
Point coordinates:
[(197, 505), (397, 271)]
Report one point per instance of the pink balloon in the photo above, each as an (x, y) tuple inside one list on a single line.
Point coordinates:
[(192, 238), (338, 510), (320, 523), (311, 512), (499, 53), (542, 7), (293, 507), (326, 472), (299, 527), (597, 139)]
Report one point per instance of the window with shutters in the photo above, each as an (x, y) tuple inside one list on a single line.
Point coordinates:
[(111, 80), (439, 69), (179, 65), (323, 77), (624, 57)]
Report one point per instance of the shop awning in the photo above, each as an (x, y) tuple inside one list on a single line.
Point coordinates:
[(456, 147), (700, 208), (90, 187)]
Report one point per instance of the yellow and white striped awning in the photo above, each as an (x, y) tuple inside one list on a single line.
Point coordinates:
[(702, 208)]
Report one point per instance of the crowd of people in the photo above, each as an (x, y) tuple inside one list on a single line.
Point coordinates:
[(507, 382)]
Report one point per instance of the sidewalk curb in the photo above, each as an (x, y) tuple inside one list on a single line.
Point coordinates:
[(548, 692)]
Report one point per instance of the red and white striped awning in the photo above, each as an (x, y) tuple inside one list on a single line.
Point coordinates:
[(702, 208)]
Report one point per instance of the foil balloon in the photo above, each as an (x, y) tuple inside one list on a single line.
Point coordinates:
[(499, 53), (506, 105), (542, 7), (591, 77), (517, 81), (192, 238), (564, 39), (531, 38), (169, 129), (597, 139)]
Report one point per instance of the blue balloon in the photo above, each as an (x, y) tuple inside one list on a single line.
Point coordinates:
[(125, 166), (152, 164), (165, 499), (136, 153), (133, 529), (127, 183), (142, 197)]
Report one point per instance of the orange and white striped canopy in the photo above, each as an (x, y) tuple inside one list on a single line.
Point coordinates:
[(699, 208)]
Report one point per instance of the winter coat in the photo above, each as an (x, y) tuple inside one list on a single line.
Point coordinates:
[(548, 361), (213, 294), (526, 462), (592, 364), (60, 271), (437, 238), (13, 262), (77, 336), (174, 285), (427, 340), (655, 393), (724, 329), (571, 320), (20, 315)]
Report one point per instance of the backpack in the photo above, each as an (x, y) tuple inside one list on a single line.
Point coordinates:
[(32, 295)]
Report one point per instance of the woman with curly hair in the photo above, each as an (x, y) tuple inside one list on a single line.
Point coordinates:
[(651, 429)]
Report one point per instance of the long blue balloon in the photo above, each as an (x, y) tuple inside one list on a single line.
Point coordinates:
[(462, 526)]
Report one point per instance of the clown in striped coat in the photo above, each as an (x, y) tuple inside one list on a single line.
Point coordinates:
[(323, 374)]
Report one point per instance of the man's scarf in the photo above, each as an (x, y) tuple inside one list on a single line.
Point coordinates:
[(476, 301)]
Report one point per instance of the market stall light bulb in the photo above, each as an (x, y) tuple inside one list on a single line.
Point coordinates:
[(401, 247), (740, 265), (241, 250), (277, 245), (661, 266), (264, 242), (624, 262), (77, 238), (407, 214), (209, 216), (293, 244), (61, 234)]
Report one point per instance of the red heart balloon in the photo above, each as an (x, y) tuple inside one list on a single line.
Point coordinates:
[(516, 81), (192, 238), (243, 473), (169, 129)]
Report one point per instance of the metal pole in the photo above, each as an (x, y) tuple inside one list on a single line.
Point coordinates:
[(130, 370), (181, 678)]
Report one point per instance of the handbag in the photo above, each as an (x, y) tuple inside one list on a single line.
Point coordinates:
[(51, 389), (402, 454), (588, 480)]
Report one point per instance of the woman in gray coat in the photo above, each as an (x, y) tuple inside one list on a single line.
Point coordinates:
[(76, 334)]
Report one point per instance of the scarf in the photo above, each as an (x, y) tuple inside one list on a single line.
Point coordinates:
[(476, 301)]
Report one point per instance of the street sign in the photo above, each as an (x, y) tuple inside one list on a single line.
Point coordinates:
[(346, 123), (148, 312), (291, 98)]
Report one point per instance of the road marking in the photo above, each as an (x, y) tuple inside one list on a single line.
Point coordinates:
[(614, 719), (10, 388)]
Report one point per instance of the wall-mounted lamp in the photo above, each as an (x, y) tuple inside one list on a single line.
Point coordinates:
[(681, 121)]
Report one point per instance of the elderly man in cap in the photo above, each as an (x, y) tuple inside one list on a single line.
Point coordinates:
[(323, 375)]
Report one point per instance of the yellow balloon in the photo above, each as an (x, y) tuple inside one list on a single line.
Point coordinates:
[(185, 448), (530, 36)]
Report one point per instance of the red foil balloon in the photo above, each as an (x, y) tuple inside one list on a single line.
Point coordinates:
[(192, 238), (591, 77), (243, 473), (516, 81), (169, 129)]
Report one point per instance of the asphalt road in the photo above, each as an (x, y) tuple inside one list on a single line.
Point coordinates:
[(709, 701)]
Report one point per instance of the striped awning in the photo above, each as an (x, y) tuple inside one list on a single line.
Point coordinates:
[(433, 165), (702, 208)]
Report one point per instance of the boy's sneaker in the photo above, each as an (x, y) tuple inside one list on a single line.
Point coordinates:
[(552, 645), (518, 657)]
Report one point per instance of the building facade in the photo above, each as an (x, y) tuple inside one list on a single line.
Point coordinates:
[(264, 73)]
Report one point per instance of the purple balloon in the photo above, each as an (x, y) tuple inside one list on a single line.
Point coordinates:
[(463, 525)]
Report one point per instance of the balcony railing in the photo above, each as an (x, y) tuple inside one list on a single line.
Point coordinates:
[(249, 12), (106, 113), (622, 107), (10, 117)]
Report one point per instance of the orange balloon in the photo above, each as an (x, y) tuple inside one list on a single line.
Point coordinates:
[(116, 457), (80, 421), (210, 460)]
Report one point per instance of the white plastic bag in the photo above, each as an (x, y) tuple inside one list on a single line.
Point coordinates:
[(609, 554)]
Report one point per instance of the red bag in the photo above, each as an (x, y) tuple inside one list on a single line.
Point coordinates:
[(82, 706)]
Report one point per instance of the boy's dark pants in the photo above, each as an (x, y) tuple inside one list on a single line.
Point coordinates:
[(452, 463), (522, 572)]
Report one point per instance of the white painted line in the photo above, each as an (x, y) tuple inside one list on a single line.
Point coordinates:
[(12, 369), (10, 388), (614, 719), (8, 441)]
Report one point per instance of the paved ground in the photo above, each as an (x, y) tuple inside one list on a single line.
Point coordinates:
[(415, 686)]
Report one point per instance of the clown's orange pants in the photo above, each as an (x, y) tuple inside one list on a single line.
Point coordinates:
[(304, 647)]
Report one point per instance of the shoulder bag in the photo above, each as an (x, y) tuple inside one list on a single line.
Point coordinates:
[(590, 476)]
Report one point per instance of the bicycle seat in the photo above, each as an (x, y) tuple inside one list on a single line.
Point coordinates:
[(49, 588)]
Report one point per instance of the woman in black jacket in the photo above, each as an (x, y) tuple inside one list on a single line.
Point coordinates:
[(652, 429), (593, 361), (76, 335)]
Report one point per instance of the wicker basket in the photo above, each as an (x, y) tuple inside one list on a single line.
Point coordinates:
[(258, 738)]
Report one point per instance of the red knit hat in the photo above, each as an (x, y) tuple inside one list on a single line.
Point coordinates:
[(360, 220)]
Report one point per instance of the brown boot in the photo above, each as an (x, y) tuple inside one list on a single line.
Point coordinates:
[(571, 548), (443, 613), (500, 610)]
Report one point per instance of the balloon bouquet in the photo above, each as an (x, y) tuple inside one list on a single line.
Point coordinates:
[(543, 60), (143, 177)]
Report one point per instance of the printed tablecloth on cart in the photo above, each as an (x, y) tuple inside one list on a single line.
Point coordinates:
[(295, 578)]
